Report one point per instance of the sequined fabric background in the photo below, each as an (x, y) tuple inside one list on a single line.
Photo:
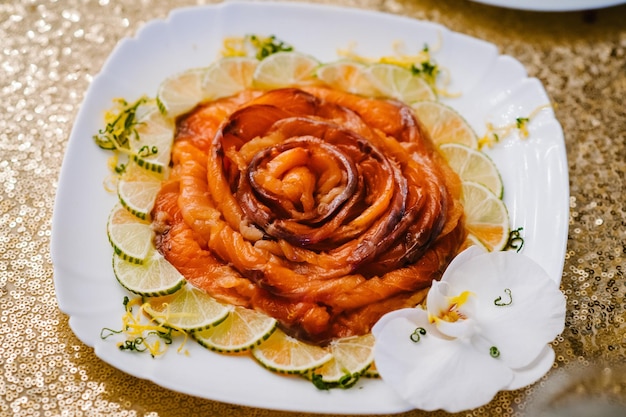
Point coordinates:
[(50, 52)]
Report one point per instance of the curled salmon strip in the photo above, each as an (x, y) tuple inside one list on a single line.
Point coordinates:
[(320, 208)]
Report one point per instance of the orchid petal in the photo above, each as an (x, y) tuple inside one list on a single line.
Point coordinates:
[(534, 371), (393, 336), (457, 329), (437, 297), (486, 328), (465, 256), (439, 301), (536, 312), (434, 373)]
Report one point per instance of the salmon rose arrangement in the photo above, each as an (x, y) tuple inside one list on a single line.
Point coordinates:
[(275, 205), (320, 208)]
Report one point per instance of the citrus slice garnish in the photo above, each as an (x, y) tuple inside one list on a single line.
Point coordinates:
[(137, 190), (399, 83), (351, 357), (284, 69), (181, 92), (228, 76), (155, 136), (471, 240), (240, 331), (156, 276), (348, 76), (444, 124), (473, 165), (130, 236), (284, 354), (486, 216), (188, 309), (371, 372)]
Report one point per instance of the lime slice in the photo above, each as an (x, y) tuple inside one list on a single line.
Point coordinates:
[(241, 330), (156, 276), (399, 83), (486, 216), (187, 309), (473, 165), (284, 354), (156, 133), (371, 372), (471, 240), (348, 76), (284, 69), (228, 76), (351, 357), (181, 92), (444, 124), (130, 236), (137, 190)]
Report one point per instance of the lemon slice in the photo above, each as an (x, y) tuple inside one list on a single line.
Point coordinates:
[(473, 165), (486, 216), (187, 309), (240, 331), (399, 83), (352, 356), (284, 69), (156, 134), (137, 190), (156, 276), (348, 76), (130, 236), (228, 76), (444, 124), (181, 92), (284, 354)]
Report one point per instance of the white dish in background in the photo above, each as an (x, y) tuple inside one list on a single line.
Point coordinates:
[(553, 5), (493, 87)]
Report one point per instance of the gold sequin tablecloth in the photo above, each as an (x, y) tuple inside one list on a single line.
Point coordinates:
[(49, 54)]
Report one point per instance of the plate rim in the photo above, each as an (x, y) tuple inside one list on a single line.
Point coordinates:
[(552, 5)]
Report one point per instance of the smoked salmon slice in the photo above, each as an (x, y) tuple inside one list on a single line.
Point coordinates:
[(320, 208)]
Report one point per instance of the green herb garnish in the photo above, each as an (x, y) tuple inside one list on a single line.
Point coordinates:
[(120, 127), (266, 46), (498, 301), (417, 334), (516, 240)]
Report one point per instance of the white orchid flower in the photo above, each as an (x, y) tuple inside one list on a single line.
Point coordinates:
[(486, 327)]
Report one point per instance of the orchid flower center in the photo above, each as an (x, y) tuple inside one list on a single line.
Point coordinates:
[(451, 314)]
